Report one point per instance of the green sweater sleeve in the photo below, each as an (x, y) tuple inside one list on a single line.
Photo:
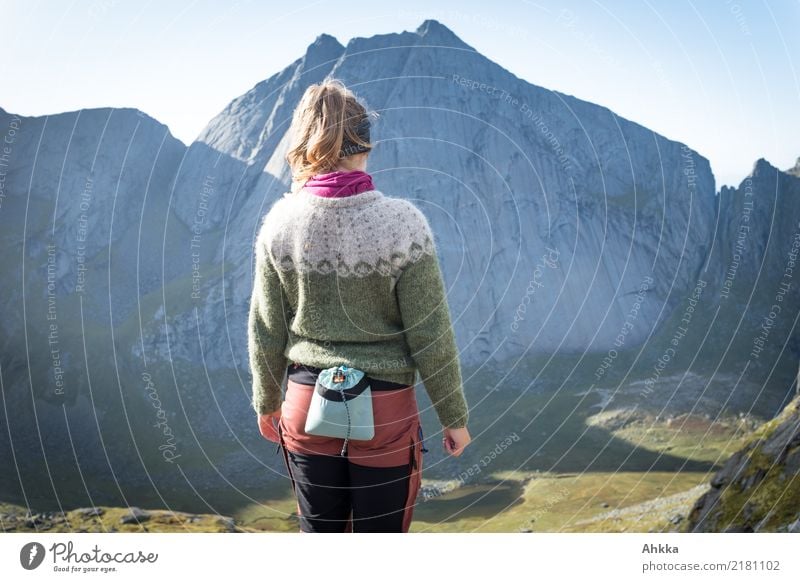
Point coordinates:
[(428, 330), (267, 333)]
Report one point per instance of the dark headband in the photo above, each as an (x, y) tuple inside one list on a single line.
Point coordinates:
[(349, 147)]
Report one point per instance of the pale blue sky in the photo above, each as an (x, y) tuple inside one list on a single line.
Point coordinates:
[(720, 75)]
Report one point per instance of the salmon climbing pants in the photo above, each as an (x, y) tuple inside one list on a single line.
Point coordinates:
[(375, 486)]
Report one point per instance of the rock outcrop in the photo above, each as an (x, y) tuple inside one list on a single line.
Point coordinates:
[(758, 488), (96, 519)]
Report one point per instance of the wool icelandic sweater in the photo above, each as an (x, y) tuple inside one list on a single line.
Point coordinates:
[(352, 280)]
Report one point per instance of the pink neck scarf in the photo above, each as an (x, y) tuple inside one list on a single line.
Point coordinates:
[(339, 184)]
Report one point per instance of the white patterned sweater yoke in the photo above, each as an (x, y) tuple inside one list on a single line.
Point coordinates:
[(352, 280)]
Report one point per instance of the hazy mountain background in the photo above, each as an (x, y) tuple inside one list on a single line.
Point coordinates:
[(582, 251)]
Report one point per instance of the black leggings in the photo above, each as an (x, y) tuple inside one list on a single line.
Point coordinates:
[(329, 487)]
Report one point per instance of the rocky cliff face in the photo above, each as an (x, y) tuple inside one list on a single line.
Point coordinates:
[(128, 262)]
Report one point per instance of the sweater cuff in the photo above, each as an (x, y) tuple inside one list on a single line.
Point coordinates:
[(267, 404), (457, 422), (452, 410)]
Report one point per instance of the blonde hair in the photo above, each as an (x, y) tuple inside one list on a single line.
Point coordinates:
[(327, 113)]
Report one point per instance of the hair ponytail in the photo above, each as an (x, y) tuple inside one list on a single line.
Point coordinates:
[(327, 117)]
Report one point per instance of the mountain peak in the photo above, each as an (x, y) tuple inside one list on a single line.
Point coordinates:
[(762, 167), (325, 47), (431, 24), (795, 171), (325, 39), (437, 33)]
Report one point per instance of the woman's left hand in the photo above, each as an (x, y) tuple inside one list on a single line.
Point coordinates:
[(268, 425)]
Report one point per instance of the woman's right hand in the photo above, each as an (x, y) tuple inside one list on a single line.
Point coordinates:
[(268, 426), (455, 439)]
